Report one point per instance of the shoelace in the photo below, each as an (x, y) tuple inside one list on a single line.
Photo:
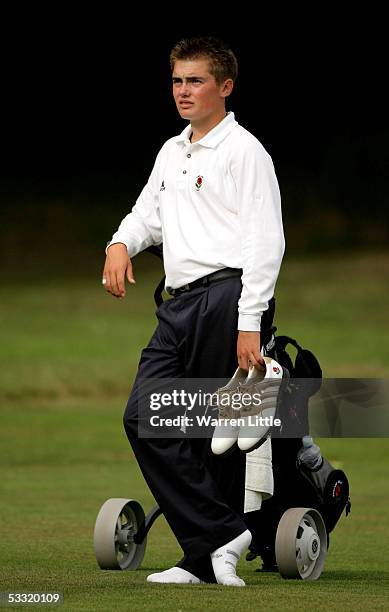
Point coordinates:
[(266, 389), (225, 410)]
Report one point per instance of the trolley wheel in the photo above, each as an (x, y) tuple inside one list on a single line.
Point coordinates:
[(301, 544), (116, 525)]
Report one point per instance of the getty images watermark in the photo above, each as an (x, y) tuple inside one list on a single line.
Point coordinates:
[(240, 408), (325, 407)]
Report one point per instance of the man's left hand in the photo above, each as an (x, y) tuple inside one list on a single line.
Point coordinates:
[(248, 350)]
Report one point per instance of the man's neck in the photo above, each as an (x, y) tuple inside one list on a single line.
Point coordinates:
[(199, 130)]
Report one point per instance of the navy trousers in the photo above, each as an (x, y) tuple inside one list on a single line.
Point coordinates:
[(201, 495)]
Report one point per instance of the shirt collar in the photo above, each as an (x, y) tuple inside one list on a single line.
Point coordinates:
[(214, 136)]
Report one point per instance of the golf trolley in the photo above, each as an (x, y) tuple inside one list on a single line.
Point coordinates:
[(290, 531), (120, 538)]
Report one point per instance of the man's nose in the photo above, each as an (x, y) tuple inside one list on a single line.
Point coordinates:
[(184, 89)]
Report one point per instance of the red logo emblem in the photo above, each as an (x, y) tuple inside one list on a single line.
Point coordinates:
[(199, 182), (276, 370)]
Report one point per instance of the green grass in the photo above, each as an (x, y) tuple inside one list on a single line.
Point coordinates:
[(68, 356)]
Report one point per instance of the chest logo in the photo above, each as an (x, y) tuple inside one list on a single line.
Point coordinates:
[(199, 182), (162, 188)]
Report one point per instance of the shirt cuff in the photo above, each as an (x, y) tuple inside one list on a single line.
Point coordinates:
[(111, 242), (249, 322)]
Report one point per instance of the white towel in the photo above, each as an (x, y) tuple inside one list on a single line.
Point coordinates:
[(259, 477)]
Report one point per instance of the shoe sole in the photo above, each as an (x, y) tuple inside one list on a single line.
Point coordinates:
[(257, 445), (228, 452)]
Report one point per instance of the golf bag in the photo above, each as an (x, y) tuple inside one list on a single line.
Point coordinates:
[(326, 489)]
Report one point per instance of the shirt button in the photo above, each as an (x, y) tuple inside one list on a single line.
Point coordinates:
[(184, 172), (189, 155)]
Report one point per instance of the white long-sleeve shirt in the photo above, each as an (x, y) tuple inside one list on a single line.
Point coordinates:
[(214, 204)]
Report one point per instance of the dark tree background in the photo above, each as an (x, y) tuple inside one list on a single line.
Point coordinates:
[(87, 104)]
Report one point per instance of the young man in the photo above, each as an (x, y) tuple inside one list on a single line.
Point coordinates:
[(212, 199)]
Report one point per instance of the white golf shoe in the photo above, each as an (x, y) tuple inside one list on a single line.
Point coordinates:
[(226, 433), (264, 387)]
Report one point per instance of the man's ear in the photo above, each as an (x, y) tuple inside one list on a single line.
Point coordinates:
[(226, 88)]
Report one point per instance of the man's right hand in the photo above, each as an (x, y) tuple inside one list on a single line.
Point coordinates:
[(117, 266)]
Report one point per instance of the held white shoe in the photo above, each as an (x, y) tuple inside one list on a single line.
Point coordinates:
[(225, 558), (226, 433), (264, 387), (174, 575)]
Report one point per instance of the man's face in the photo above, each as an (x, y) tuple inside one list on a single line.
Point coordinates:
[(195, 91)]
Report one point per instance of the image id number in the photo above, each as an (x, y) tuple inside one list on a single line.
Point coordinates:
[(30, 598)]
